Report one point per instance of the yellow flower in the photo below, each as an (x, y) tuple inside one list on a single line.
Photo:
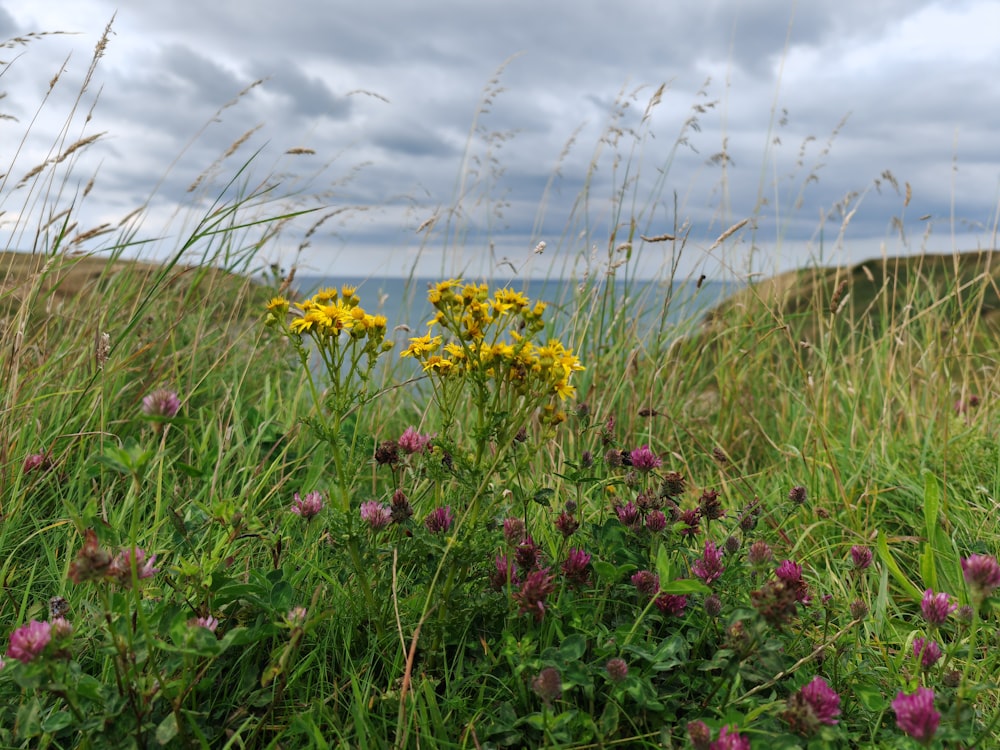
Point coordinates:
[(442, 290), (505, 299), (564, 389), (325, 295), (278, 305), (422, 345), (438, 364)]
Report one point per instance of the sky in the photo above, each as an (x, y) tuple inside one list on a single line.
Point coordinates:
[(453, 137)]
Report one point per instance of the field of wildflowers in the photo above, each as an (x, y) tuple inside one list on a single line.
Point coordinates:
[(224, 524)]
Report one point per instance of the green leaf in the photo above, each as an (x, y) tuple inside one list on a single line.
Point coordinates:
[(932, 504), (684, 586), (605, 570), (58, 720), (543, 496), (663, 564), (573, 647), (882, 546), (167, 729), (928, 570)]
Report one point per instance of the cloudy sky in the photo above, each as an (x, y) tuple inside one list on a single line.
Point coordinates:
[(455, 136)]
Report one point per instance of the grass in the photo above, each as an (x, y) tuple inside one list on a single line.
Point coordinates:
[(722, 538)]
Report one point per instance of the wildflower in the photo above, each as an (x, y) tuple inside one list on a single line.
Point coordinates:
[(307, 507), (209, 623), (548, 685), (671, 604), (29, 641), (791, 573), (775, 602), (709, 506), (566, 524), (861, 556), (58, 607), (811, 706), (533, 592), (982, 574), (797, 494), (376, 515), (629, 516), (576, 567), (513, 530), (643, 459), (915, 714), (713, 605), (586, 459), (387, 453), (296, 617), (91, 562), (161, 403), (412, 441), (699, 734), (673, 485), (730, 740), (36, 462), (439, 520), (656, 521), (614, 458), (617, 669), (709, 566), (692, 522), (859, 609), (936, 607), (732, 544), (400, 510), (964, 614), (646, 582), (528, 554), (122, 565), (927, 651), (503, 571), (760, 554)]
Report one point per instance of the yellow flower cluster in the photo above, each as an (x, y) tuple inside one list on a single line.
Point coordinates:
[(475, 323), (326, 315)]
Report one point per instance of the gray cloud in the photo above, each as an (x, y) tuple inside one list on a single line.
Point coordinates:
[(520, 156)]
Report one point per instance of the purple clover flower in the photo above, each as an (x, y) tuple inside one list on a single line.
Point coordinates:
[(307, 507), (936, 607), (533, 592), (121, 566), (927, 651), (617, 669), (861, 556), (729, 739), (29, 641), (916, 715), (162, 403), (439, 520), (412, 441), (671, 604), (709, 566), (576, 567), (646, 582), (982, 574), (823, 700), (209, 623), (656, 521), (376, 515), (643, 459), (629, 516)]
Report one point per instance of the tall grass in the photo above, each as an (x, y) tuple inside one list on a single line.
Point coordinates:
[(722, 537)]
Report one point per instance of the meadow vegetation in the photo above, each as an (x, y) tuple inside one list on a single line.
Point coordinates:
[(235, 516)]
